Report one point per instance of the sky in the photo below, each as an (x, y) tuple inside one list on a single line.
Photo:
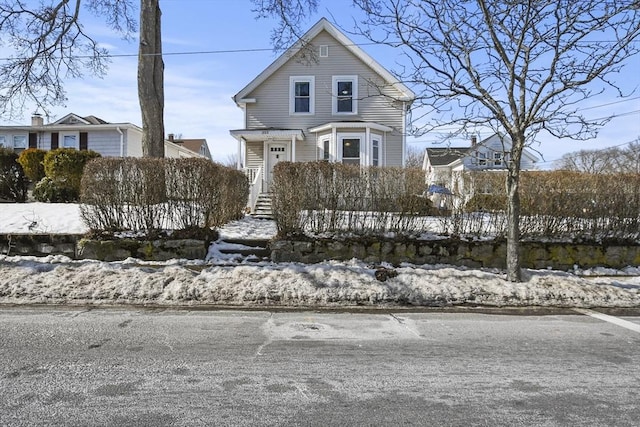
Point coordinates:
[(234, 47)]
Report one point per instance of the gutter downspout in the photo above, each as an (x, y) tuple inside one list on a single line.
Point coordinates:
[(404, 133), (121, 141)]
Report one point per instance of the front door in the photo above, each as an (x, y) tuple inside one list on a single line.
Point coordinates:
[(275, 153)]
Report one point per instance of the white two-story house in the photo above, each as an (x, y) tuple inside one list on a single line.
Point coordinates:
[(322, 99), (445, 166)]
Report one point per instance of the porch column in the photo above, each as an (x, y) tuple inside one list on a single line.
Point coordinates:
[(239, 164), (293, 148), (367, 147)]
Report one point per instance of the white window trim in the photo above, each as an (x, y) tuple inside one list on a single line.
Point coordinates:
[(498, 159), (378, 138), (354, 95), (63, 134), (26, 141), (321, 144), (292, 94), (3, 141), (324, 51), (342, 136)]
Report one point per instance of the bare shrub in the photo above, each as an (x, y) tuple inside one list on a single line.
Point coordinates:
[(557, 204), (157, 194), (320, 197)]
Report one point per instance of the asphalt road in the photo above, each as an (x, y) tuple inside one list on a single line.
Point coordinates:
[(72, 367)]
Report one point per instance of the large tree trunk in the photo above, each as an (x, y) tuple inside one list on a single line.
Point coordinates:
[(513, 212), (151, 79)]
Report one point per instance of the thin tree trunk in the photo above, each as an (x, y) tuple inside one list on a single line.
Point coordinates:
[(514, 273), (151, 79)]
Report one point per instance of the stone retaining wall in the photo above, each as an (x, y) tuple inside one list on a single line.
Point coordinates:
[(39, 244), (491, 254), (75, 247)]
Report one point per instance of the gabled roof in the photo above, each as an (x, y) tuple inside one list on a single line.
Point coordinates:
[(448, 155), (324, 25), (445, 156), (74, 119)]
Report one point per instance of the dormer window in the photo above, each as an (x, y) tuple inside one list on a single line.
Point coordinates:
[(301, 95), (345, 94)]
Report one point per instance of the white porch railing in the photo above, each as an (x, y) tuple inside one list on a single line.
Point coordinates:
[(255, 185)]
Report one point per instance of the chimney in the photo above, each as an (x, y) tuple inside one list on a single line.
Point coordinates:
[(171, 137), (474, 140), (37, 120)]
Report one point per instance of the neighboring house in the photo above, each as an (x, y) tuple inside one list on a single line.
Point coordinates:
[(444, 166), (83, 133), (199, 145), (325, 99)]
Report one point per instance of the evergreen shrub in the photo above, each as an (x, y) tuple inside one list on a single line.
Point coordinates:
[(13, 182), (32, 162)]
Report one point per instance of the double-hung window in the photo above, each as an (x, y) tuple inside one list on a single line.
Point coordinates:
[(3, 141), (482, 158), (375, 152), (345, 94), (19, 143), (351, 151), (497, 159), (301, 95), (70, 141)]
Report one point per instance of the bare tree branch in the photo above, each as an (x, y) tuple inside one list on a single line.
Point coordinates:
[(48, 45)]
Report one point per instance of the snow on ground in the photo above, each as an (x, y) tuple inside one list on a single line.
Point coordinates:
[(39, 217), (60, 280)]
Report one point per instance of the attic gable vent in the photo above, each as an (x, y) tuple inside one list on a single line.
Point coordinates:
[(324, 51)]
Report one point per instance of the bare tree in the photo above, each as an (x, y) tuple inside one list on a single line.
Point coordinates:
[(518, 67), (415, 157), (607, 160), (49, 45)]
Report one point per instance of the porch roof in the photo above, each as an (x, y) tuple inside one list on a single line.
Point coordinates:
[(351, 125), (255, 135)]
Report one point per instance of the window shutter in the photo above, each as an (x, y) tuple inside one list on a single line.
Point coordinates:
[(84, 141), (54, 140), (33, 140)]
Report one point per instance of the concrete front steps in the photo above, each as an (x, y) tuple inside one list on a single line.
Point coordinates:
[(245, 249), (263, 209)]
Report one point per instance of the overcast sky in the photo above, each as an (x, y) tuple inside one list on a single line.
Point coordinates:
[(233, 48)]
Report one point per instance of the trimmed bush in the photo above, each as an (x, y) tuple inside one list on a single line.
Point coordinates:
[(50, 191), (144, 194), (321, 197), (32, 162), (64, 167), (13, 182)]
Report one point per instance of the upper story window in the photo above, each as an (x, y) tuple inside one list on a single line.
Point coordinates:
[(301, 95), (345, 99), (482, 158), (497, 159)]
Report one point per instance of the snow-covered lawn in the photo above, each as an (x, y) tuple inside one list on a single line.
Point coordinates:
[(59, 280)]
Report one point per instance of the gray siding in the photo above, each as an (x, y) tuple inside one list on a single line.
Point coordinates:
[(271, 108)]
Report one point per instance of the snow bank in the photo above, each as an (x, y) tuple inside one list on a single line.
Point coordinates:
[(57, 280)]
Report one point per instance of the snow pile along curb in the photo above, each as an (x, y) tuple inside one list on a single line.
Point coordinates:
[(58, 280)]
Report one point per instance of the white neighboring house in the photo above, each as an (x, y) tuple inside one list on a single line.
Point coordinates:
[(335, 104), (83, 133), (444, 166)]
